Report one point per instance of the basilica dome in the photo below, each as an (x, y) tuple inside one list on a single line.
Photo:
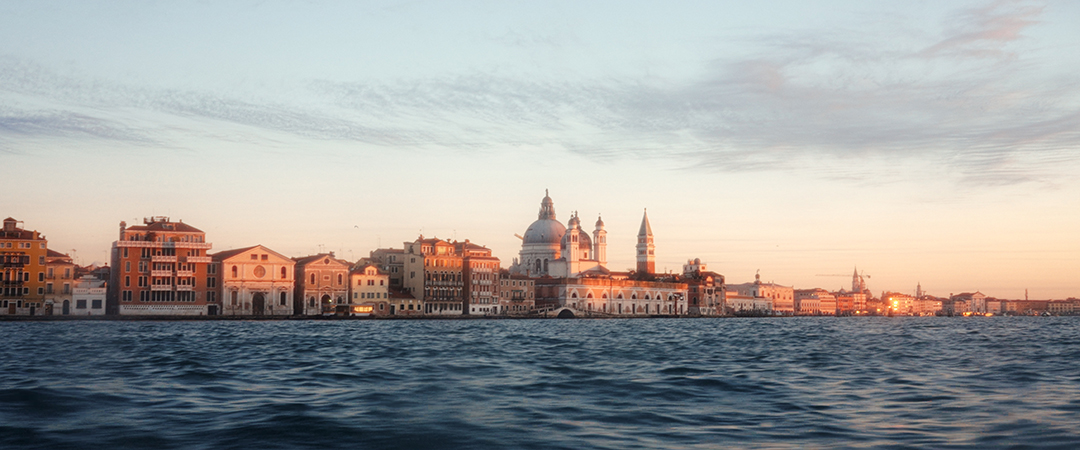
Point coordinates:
[(545, 231)]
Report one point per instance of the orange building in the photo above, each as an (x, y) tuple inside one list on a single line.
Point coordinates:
[(161, 268), (22, 261), (60, 283), (480, 275)]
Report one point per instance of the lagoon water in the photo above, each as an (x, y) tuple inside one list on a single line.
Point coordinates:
[(543, 384)]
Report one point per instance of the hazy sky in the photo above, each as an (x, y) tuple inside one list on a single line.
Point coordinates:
[(921, 141)]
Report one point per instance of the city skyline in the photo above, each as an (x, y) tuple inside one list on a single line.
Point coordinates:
[(931, 144)]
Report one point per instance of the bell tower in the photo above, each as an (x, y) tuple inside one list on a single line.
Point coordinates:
[(600, 242), (646, 251)]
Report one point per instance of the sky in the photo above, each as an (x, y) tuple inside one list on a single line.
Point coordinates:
[(920, 141)]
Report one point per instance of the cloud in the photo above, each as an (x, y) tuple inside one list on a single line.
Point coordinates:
[(804, 100)]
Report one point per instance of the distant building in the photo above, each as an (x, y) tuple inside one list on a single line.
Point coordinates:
[(59, 283), (706, 290), (322, 283), (434, 276), (391, 261), (369, 291), (480, 275), (254, 281), (88, 298), (815, 302), (160, 268), (781, 298), (517, 294), (402, 303), (898, 303), (967, 302), (22, 256)]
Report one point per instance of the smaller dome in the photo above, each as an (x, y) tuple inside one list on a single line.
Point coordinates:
[(599, 222)]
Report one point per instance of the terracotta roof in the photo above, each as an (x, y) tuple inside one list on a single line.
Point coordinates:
[(397, 293), (309, 259), (359, 269), (230, 253), (55, 254)]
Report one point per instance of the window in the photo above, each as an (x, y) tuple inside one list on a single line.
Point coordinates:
[(125, 252), (41, 291), (127, 266), (41, 260), (127, 281), (339, 279), (48, 288), (80, 304), (95, 304), (381, 282), (371, 282), (211, 297), (264, 257), (283, 298), (234, 298), (211, 269), (312, 279), (254, 257), (127, 296), (67, 288), (234, 271), (41, 276), (284, 273)]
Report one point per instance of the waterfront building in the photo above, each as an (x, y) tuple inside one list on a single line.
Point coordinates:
[(781, 298), (611, 295), (517, 293), (369, 291), (253, 281), (480, 276), (814, 302), (59, 283), (748, 305), (706, 290), (966, 302), (391, 261), (22, 258), (898, 303), (160, 268), (850, 302), (88, 298), (402, 303), (434, 276), (322, 283)]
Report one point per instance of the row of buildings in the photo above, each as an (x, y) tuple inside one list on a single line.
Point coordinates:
[(168, 268)]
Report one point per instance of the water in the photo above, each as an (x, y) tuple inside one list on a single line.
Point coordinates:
[(543, 384)]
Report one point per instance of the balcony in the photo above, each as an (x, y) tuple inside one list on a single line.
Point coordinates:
[(161, 273), (163, 258), (185, 273), (198, 259), (185, 287), (161, 287)]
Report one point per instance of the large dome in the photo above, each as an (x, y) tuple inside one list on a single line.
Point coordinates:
[(545, 231)]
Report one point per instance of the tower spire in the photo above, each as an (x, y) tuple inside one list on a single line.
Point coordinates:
[(547, 208), (646, 250)]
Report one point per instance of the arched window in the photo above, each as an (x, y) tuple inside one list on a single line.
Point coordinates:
[(589, 295), (234, 271), (538, 266), (646, 296), (574, 295), (283, 296), (545, 265), (234, 295), (633, 297), (339, 280), (284, 273), (312, 278)]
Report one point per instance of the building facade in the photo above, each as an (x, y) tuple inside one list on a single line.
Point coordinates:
[(59, 283), (369, 291), (23, 259), (322, 283), (88, 298), (254, 281), (706, 291), (517, 294), (435, 276), (480, 274), (160, 268)]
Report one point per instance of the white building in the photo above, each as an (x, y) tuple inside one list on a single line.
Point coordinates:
[(88, 298), (255, 281)]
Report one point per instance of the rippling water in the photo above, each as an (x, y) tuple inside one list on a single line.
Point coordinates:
[(657, 383)]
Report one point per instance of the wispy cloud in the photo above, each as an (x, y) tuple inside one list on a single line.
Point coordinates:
[(958, 99)]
